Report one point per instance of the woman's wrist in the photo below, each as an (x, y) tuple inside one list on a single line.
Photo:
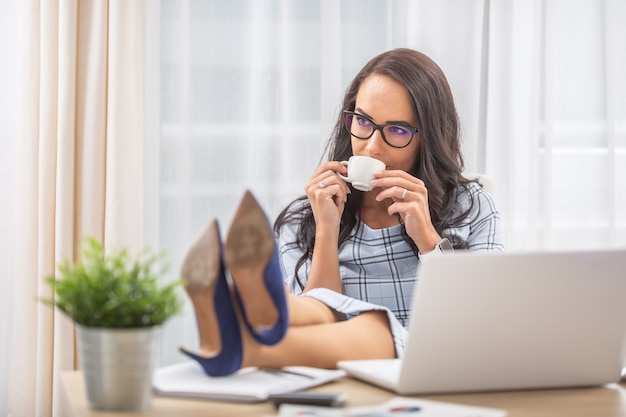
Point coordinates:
[(327, 233), (442, 246), (427, 243)]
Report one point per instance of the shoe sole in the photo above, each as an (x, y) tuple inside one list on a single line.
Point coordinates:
[(200, 270), (248, 249)]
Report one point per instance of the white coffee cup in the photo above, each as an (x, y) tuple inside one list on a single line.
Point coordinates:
[(361, 171)]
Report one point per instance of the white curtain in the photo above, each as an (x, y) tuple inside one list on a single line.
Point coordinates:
[(250, 91), (77, 144), (555, 121), (8, 130)]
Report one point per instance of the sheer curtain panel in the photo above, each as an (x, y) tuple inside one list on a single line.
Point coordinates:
[(555, 121), (79, 170), (8, 151)]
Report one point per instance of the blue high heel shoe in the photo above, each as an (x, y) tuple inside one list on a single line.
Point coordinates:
[(203, 269), (251, 257)]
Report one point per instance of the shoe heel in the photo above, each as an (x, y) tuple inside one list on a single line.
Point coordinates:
[(251, 257), (206, 285)]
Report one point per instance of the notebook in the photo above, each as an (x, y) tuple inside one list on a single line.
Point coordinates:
[(490, 322), (187, 379)]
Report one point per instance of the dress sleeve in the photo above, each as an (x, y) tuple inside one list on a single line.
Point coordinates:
[(289, 256), (482, 228), (485, 229)]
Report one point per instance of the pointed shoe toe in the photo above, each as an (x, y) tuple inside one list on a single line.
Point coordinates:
[(251, 257)]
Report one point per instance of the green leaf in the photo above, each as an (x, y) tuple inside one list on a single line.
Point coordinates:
[(109, 289)]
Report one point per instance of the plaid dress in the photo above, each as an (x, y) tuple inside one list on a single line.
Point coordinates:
[(378, 268)]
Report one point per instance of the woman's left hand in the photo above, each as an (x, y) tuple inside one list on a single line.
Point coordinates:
[(410, 201)]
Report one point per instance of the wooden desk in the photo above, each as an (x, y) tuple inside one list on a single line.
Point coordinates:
[(609, 401)]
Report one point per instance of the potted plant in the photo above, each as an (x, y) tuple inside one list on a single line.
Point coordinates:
[(118, 306)]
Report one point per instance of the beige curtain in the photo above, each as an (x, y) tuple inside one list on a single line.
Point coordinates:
[(79, 169)]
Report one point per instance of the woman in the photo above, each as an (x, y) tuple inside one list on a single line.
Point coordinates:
[(354, 256)]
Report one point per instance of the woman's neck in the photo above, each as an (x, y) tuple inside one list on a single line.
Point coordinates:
[(374, 213)]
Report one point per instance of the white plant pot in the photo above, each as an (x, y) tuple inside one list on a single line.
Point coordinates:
[(117, 365)]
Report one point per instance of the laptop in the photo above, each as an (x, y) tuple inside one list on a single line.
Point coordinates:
[(512, 321)]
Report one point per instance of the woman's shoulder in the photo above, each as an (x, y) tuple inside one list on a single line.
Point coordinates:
[(473, 189), (292, 214), (479, 221), (471, 195), (296, 208)]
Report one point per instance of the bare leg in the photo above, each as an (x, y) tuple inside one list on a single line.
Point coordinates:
[(366, 336), (315, 335), (305, 311)]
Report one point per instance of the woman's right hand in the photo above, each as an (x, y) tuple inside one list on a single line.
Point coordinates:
[(328, 195), (327, 202)]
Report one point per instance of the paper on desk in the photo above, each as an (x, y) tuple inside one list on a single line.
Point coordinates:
[(188, 379), (397, 407)]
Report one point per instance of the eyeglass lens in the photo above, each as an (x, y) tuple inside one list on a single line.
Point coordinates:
[(363, 128)]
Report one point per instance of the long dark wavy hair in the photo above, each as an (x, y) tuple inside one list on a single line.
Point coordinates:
[(438, 164)]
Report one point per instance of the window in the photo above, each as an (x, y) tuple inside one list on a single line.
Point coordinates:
[(250, 91)]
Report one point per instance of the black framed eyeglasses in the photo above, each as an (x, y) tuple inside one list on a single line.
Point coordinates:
[(394, 135)]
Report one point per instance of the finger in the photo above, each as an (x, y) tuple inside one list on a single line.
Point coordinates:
[(395, 173), (403, 180), (396, 193), (324, 171), (330, 166), (328, 188), (411, 183), (399, 193), (404, 193), (324, 180)]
